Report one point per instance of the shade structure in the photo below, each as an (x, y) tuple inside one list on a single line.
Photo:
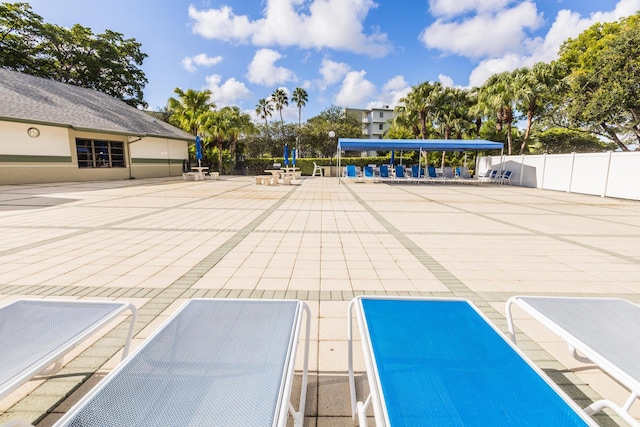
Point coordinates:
[(286, 154), (415, 145), (198, 148), (293, 157)]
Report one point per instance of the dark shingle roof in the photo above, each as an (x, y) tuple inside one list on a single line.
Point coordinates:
[(34, 99)]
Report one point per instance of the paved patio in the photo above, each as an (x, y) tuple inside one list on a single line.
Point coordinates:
[(158, 242)]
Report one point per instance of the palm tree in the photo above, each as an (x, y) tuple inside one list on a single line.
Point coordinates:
[(264, 109), (499, 92), (300, 97), (187, 111), (280, 99), (532, 84), (421, 103)]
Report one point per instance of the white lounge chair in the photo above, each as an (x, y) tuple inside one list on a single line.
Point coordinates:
[(36, 334), (441, 362), (215, 362), (603, 331)]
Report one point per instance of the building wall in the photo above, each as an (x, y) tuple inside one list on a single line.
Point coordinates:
[(51, 156)]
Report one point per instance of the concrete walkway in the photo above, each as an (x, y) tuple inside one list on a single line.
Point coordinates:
[(158, 242)]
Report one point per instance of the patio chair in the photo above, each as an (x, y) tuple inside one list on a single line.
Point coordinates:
[(368, 172), (37, 334), (504, 176), (352, 171), (400, 175), (317, 169), (441, 362), (432, 173), (603, 331), (447, 173), (489, 175), (215, 362), (384, 172)]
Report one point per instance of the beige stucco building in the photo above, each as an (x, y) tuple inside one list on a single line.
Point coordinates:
[(54, 132)]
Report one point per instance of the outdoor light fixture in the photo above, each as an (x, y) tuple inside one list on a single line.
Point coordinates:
[(33, 132)]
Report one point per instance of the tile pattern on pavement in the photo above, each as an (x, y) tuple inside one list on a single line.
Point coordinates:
[(158, 242)]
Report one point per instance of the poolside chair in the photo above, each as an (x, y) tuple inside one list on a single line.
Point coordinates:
[(400, 175), (447, 173), (215, 362), (504, 176), (603, 331), (317, 169), (489, 175), (416, 172), (432, 173), (36, 334), (352, 171), (441, 362), (384, 172), (368, 172)]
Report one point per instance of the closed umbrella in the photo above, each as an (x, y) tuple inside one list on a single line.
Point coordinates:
[(286, 154), (393, 158), (198, 149), (293, 157)]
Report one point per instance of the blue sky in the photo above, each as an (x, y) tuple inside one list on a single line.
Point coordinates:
[(351, 53)]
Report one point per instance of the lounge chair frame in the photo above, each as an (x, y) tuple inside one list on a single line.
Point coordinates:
[(185, 366), (376, 398), (48, 352), (591, 338)]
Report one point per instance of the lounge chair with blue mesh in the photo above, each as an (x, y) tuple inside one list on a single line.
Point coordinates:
[(368, 173), (601, 331), (400, 174), (441, 362), (215, 362), (37, 334), (384, 172)]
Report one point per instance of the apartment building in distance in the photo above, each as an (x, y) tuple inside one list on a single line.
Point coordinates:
[(375, 121)]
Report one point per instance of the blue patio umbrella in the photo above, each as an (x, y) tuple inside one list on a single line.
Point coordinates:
[(293, 157), (198, 149), (393, 158), (286, 154)]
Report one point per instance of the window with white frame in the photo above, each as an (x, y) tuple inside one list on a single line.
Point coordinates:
[(95, 153)]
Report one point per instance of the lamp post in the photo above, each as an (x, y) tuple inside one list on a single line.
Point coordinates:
[(332, 135)]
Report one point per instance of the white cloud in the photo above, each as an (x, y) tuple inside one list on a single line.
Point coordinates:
[(394, 89), (332, 72), (228, 92), (567, 24), (452, 8), (316, 24), (262, 69), (355, 90), (485, 34), (190, 63)]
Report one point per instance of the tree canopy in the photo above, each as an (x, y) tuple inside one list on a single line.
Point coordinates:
[(106, 62)]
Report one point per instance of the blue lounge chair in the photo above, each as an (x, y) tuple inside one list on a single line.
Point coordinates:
[(400, 176), (416, 172), (431, 171), (351, 171), (384, 172), (38, 333), (215, 362), (441, 362), (368, 172)]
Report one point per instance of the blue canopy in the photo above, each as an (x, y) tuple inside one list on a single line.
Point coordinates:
[(418, 144)]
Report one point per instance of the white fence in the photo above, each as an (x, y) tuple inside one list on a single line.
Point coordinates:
[(602, 174)]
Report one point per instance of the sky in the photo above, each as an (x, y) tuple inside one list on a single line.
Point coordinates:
[(349, 53)]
